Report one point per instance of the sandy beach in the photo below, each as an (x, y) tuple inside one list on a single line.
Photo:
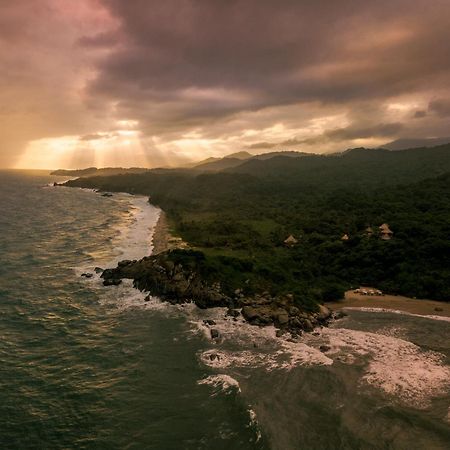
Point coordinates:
[(163, 239), (161, 235), (394, 302)]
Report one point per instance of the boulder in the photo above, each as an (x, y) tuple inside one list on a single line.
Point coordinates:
[(339, 315), (294, 322), (214, 356), (112, 281), (209, 322), (214, 333), (98, 270), (307, 325), (87, 275), (324, 348), (250, 313), (124, 263), (324, 313), (258, 315), (282, 319), (233, 312)]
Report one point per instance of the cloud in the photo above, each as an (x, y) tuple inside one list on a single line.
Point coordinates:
[(201, 78), (441, 107), (95, 136), (352, 133), (294, 57), (419, 114), (261, 145)]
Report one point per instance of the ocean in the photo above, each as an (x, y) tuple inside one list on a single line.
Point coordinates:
[(83, 366)]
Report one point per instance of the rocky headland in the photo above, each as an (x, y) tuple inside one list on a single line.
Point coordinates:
[(176, 283)]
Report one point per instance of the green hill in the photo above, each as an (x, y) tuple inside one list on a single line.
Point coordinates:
[(238, 220)]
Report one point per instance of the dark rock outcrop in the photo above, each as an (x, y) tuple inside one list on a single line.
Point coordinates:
[(174, 283), (171, 282)]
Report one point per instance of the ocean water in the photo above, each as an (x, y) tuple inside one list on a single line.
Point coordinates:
[(84, 366)]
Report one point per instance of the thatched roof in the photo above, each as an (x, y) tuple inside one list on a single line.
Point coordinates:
[(385, 229), (290, 240), (345, 237)]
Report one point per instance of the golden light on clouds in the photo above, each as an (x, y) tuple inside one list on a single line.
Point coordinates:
[(123, 148), (101, 82)]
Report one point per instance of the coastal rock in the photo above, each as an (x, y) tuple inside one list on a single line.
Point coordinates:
[(209, 322), (125, 262), (112, 282), (98, 270), (307, 325), (324, 313), (324, 348), (214, 333), (171, 280), (260, 315), (339, 315), (87, 275), (250, 313), (233, 312), (282, 318)]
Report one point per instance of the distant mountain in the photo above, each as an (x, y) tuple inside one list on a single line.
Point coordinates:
[(240, 155), (93, 171), (219, 164), (288, 153), (359, 166), (236, 159), (407, 143), (214, 164)]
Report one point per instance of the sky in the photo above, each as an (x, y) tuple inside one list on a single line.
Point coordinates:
[(160, 83)]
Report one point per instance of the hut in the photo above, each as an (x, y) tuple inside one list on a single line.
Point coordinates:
[(290, 241), (369, 231), (345, 237), (385, 232)]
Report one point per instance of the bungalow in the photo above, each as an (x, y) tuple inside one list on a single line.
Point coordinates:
[(385, 232), (290, 241)]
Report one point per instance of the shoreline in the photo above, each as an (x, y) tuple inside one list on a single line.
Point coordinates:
[(392, 303), (161, 235), (163, 239)]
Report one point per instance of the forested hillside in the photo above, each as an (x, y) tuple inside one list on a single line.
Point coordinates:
[(238, 221)]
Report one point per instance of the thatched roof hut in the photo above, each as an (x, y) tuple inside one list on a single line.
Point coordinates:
[(385, 232), (345, 237), (290, 241)]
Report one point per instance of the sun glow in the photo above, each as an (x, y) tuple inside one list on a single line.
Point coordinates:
[(121, 148)]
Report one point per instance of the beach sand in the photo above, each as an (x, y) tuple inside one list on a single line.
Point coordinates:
[(394, 302), (163, 239)]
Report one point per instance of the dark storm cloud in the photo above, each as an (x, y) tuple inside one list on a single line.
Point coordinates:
[(440, 107), (351, 133), (222, 73), (185, 62), (383, 130), (419, 114)]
